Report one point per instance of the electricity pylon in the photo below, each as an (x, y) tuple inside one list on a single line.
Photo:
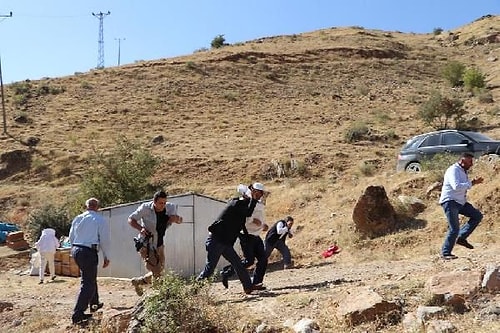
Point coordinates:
[(100, 42)]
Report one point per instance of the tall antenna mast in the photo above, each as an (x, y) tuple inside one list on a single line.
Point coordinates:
[(100, 42), (4, 117)]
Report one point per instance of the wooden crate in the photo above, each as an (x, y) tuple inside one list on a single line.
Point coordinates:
[(58, 267), (18, 245), (64, 263), (64, 255), (74, 270), (65, 270), (15, 236)]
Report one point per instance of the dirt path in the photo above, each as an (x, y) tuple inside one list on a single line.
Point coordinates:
[(310, 291)]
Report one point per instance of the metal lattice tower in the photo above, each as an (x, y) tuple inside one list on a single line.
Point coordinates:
[(100, 42)]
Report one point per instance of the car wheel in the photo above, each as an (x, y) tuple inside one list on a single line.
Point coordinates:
[(413, 167)]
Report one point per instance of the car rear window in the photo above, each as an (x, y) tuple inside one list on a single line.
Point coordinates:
[(413, 142), (480, 137)]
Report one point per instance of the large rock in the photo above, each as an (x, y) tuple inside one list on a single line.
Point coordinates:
[(491, 279), (13, 162), (116, 321), (373, 214), (454, 288), (365, 305)]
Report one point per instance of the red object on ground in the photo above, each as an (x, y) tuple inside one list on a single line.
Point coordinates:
[(334, 249)]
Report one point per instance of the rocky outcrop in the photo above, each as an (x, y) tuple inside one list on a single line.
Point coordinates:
[(373, 214), (365, 305)]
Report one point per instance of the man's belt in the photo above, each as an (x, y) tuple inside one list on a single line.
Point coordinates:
[(94, 247)]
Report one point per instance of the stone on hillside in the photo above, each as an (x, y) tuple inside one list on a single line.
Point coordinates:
[(491, 279), (14, 161), (158, 139), (365, 305), (412, 324), (32, 141), (116, 321), (433, 187), (427, 312), (415, 205), (373, 214), (263, 328), (454, 288), (6, 306), (440, 326), (306, 325)]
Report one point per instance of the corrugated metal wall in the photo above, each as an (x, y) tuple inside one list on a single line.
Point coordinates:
[(184, 243)]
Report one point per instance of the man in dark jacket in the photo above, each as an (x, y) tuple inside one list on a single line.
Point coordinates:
[(224, 232), (275, 238)]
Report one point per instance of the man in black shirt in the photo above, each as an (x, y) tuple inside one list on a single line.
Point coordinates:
[(224, 232)]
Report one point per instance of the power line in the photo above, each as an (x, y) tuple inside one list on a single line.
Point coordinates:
[(100, 42)]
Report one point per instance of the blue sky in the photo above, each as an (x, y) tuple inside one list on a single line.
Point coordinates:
[(53, 38)]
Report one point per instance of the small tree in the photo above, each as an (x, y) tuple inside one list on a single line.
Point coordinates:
[(218, 42), (437, 31), (120, 176), (453, 72), (473, 79), (49, 216), (438, 111)]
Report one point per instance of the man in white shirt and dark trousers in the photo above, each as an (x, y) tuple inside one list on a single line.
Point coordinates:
[(89, 232), (275, 238), (453, 199)]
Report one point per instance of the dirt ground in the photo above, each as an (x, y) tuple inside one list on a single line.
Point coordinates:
[(302, 292)]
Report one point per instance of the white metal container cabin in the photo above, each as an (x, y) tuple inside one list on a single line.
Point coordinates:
[(185, 252)]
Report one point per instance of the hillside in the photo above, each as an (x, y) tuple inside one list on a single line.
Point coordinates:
[(233, 114)]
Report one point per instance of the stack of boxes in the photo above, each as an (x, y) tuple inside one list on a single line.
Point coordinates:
[(15, 240), (64, 263)]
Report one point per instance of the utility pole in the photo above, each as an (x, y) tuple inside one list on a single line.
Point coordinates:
[(100, 42), (3, 101), (119, 47), (4, 116)]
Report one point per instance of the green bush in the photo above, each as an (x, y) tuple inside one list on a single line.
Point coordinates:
[(21, 88), (181, 306), (49, 216), (366, 168), (439, 110), (22, 92), (483, 95), (218, 42), (356, 132), (121, 175), (473, 79), (437, 165), (453, 72)]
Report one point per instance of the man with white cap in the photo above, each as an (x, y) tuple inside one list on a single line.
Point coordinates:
[(224, 232), (252, 244)]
